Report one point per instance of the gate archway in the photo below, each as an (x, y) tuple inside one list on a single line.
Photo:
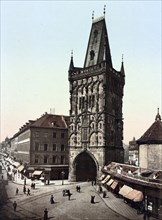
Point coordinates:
[(85, 167)]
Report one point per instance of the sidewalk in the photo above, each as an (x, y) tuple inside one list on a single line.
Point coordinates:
[(119, 206)]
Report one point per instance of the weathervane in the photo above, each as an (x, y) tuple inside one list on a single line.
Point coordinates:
[(104, 10), (92, 15)]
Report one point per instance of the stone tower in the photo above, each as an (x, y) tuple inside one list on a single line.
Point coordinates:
[(96, 122)]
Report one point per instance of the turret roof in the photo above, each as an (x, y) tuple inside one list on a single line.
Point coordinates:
[(154, 134)]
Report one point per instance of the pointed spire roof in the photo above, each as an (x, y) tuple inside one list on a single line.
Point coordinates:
[(122, 67), (71, 66), (154, 134), (98, 46)]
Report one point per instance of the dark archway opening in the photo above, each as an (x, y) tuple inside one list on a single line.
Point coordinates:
[(85, 167)]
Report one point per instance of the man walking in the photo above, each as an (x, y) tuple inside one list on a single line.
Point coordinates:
[(14, 205)]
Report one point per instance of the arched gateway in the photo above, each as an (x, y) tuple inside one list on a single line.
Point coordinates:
[(96, 119), (85, 167)]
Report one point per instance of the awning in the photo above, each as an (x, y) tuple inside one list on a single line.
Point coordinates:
[(125, 190), (114, 185), (16, 164), (135, 195), (101, 177), (110, 182), (37, 172), (106, 179), (20, 168)]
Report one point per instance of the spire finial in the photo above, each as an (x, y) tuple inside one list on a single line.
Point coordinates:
[(122, 57), (158, 117), (71, 53), (92, 15), (104, 10)]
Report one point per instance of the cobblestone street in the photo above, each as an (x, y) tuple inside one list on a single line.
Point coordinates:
[(78, 207)]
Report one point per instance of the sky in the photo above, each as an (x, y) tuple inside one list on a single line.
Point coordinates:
[(37, 38)]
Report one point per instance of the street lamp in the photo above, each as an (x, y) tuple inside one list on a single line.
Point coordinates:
[(62, 175)]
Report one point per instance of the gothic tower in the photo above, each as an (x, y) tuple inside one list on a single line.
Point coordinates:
[(96, 122)]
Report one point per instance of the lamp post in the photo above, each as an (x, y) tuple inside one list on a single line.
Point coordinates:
[(62, 175)]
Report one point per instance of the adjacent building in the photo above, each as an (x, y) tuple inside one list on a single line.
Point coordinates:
[(96, 99), (133, 152), (141, 186), (42, 146), (150, 146)]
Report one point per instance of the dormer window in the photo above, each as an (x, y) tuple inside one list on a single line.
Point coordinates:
[(95, 33), (53, 123)]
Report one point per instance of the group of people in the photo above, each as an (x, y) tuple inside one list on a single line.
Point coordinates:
[(24, 191), (78, 188)]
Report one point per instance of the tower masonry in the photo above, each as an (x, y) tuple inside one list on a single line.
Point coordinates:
[(96, 121)]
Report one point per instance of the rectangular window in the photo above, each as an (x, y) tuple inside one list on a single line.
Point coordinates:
[(36, 160), (54, 159), (45, 147), (62, 135), (46, 134), (54, 134), (36, 146), (45, 159), (36, 134), (62, 159), (62, 147), (54, 147)]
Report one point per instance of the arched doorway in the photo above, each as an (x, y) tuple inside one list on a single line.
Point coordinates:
[(85, 167)]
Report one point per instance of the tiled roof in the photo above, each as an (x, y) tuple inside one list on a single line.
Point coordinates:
[(154, 134), (46, 121), (52, 121)]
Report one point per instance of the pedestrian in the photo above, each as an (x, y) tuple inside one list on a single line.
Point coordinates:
[(92, 199), (146, 215), (92, 182), (24, 189), (104, 194), (17, 191), (45, 214), (79, 189), (69, 195), (52, 199), (14, 205), (28, 192)]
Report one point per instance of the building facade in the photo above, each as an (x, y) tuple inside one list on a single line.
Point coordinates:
[(42, 145), (96, 97), (133, 152)]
